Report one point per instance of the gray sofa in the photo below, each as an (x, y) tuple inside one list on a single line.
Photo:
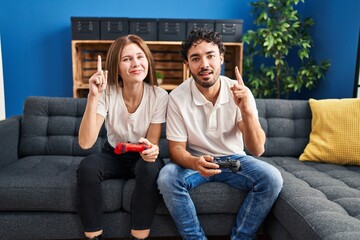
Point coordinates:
[(40, 154)]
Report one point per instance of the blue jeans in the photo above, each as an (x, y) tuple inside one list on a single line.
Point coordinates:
[(262, 181)]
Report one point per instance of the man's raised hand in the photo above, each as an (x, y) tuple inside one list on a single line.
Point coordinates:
[(240, 91)]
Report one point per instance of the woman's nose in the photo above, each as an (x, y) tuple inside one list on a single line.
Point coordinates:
[(136, 62)]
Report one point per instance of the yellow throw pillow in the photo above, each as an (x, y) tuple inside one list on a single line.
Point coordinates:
[(335, 132)]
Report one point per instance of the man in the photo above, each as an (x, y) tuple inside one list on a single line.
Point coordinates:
[(213, 116)]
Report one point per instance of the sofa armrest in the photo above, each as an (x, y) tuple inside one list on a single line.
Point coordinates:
[(9, 140)]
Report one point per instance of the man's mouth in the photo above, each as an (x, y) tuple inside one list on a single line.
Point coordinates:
[(205, 72)]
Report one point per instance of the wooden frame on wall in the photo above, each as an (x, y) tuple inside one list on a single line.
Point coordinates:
[(357, 72)]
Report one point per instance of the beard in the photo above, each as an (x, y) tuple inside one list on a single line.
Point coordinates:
[(208, 81)]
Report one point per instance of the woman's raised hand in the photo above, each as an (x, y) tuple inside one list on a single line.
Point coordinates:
[(98, 81)]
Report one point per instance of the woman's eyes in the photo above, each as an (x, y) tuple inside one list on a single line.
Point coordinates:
[(126, 59)]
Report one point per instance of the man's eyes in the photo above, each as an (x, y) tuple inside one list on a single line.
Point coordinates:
[(195, 59)]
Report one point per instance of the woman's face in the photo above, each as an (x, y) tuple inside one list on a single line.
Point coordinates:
[(133, 64)]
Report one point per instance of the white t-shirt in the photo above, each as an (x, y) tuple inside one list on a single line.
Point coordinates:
[(207, 129), (123, 126)]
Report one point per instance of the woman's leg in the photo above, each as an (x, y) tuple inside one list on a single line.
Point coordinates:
[(145, 197), (92, 170)]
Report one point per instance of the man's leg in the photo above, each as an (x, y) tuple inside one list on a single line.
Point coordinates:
[(264, 183), (174, 183)]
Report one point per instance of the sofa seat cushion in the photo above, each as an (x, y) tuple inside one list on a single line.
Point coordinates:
[(47, 183), (318, 200), (209, 198)]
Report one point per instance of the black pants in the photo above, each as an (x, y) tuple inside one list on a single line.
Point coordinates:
[(95, 168)]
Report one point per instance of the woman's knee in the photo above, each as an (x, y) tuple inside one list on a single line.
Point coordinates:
[(148, 170), (89, 170)]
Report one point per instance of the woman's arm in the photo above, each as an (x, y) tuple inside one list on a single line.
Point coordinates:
[(152, 138), (90, 124)]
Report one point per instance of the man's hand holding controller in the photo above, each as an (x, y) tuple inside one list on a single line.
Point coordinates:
[(208, 166), (98, 81)]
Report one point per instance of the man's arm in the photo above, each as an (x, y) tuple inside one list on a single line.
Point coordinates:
[(202, 164), (253, 135)]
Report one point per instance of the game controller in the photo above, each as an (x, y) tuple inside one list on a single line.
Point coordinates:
[(123, 147), (232, 164)]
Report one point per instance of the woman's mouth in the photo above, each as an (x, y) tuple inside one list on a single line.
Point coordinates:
[(136, 71)]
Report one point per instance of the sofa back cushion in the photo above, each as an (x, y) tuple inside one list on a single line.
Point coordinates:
[(287, 124), (50, 126)]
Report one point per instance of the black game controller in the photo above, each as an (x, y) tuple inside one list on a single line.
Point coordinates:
[(232, 164)]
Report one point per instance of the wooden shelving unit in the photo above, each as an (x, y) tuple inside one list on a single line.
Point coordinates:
[(166, 55)]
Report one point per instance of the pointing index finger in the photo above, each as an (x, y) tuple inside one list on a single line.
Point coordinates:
[(99, 66), (238, 76)]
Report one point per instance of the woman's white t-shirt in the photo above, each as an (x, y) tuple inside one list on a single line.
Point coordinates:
[(123, 126)]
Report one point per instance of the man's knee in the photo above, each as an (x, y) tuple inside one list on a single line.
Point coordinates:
[(275, 180), (167, 177)]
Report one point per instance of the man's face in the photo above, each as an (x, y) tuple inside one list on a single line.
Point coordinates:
[(204, 62)]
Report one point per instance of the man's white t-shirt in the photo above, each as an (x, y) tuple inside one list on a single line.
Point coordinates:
[(207, 129), (122, 126)]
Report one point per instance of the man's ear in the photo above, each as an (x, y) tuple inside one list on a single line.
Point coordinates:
[(222, 58), (186, 63)]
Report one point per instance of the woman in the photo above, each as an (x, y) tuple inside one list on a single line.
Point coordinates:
[(126, 97)]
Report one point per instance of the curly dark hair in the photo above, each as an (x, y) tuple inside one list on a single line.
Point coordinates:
[(197, 36)]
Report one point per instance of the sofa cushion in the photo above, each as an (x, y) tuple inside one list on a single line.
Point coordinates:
[(209, 198), (286, 124), (318, 201), (50, 127), (47, 183), (335, 133)]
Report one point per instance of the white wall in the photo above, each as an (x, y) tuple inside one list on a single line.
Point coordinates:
[(2, 96)]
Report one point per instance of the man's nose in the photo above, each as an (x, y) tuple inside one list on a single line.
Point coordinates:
[(204, 63)]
